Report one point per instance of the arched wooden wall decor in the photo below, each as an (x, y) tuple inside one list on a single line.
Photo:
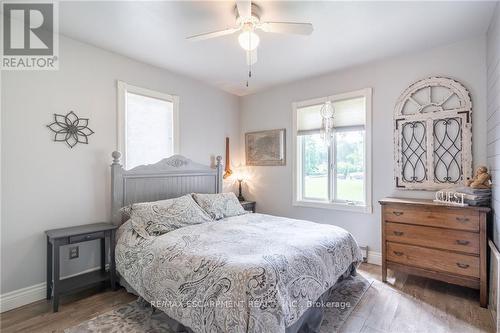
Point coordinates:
[(433, 135)]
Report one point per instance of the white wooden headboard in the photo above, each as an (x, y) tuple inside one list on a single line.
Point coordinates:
[(169, 178)]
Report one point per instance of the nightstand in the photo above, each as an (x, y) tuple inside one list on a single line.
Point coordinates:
[(83, 233), (248, 205)]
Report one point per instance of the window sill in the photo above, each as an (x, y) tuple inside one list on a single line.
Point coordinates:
[(334, 206)]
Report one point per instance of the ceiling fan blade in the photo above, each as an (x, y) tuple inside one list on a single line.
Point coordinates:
[(244, 8), (288, 28), (251, 57), (212, 34)]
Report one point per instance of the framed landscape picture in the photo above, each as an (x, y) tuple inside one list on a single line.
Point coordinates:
[(265, 147)]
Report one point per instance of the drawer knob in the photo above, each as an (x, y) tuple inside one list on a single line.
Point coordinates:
[(398, 213), (462, 265), (462, 219), (399, 254), (398, 233), (462, 242)]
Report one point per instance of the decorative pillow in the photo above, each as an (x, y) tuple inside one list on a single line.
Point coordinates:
[(139, 228), (132, 238), (220, 205), (159, 217)]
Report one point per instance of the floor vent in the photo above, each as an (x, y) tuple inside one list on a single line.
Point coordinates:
[(364, 250)]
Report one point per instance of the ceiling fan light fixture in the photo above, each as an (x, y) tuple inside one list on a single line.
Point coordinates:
[(249, 40), (248, 16)]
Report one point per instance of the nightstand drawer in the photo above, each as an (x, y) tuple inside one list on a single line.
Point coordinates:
[(455, 240), (86, 237), (449, 262)]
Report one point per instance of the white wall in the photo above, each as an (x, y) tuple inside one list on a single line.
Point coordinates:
[(47, 185), (493, 93), (271, 187)]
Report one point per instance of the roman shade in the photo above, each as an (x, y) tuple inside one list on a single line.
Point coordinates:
[(349, 113)]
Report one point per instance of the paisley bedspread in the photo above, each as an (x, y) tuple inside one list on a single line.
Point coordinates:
[(249, 273)]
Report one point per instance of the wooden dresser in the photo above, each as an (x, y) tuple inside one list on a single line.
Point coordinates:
[(441, 242)]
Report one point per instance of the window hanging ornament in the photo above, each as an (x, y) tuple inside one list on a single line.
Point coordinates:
[(70, 129), (326, 131), (433, 135)]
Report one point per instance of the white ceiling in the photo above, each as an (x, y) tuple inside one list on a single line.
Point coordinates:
[(345, 34)]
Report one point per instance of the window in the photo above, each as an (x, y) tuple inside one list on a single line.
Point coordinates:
[(337, 175), (147, 125)]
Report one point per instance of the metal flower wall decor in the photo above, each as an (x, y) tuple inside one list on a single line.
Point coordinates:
[(71, 129)]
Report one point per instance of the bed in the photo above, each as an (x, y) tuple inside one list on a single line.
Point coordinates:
[(245, 273)]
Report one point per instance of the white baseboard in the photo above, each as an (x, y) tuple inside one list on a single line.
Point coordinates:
[(375, 258), (37, 292), (23, 296)]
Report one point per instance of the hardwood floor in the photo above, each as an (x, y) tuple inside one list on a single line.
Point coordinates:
[(73, 309), (413, 304), (406, 304)]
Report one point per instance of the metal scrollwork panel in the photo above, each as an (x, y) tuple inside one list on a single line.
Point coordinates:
[(447, 150), (413, 152), (433, 135)]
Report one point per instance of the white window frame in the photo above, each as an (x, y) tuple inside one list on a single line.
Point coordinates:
[(296, 160), (123, 89)]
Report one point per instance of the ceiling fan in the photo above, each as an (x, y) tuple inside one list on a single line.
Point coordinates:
[(247, 23)]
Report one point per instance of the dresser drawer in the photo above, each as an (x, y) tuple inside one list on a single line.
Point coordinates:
[(86, 237), (436, 260), (455, 240), (460, 219)]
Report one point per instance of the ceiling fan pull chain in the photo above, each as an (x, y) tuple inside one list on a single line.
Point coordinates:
[(249, 67), (250, 64)]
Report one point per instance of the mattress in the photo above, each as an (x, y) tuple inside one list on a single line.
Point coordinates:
[(249, 273)]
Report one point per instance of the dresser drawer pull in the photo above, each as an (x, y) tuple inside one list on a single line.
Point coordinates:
[(462, 242), (398, 233), (462, 265), (399, 254), (398, 213), (462, 219)]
